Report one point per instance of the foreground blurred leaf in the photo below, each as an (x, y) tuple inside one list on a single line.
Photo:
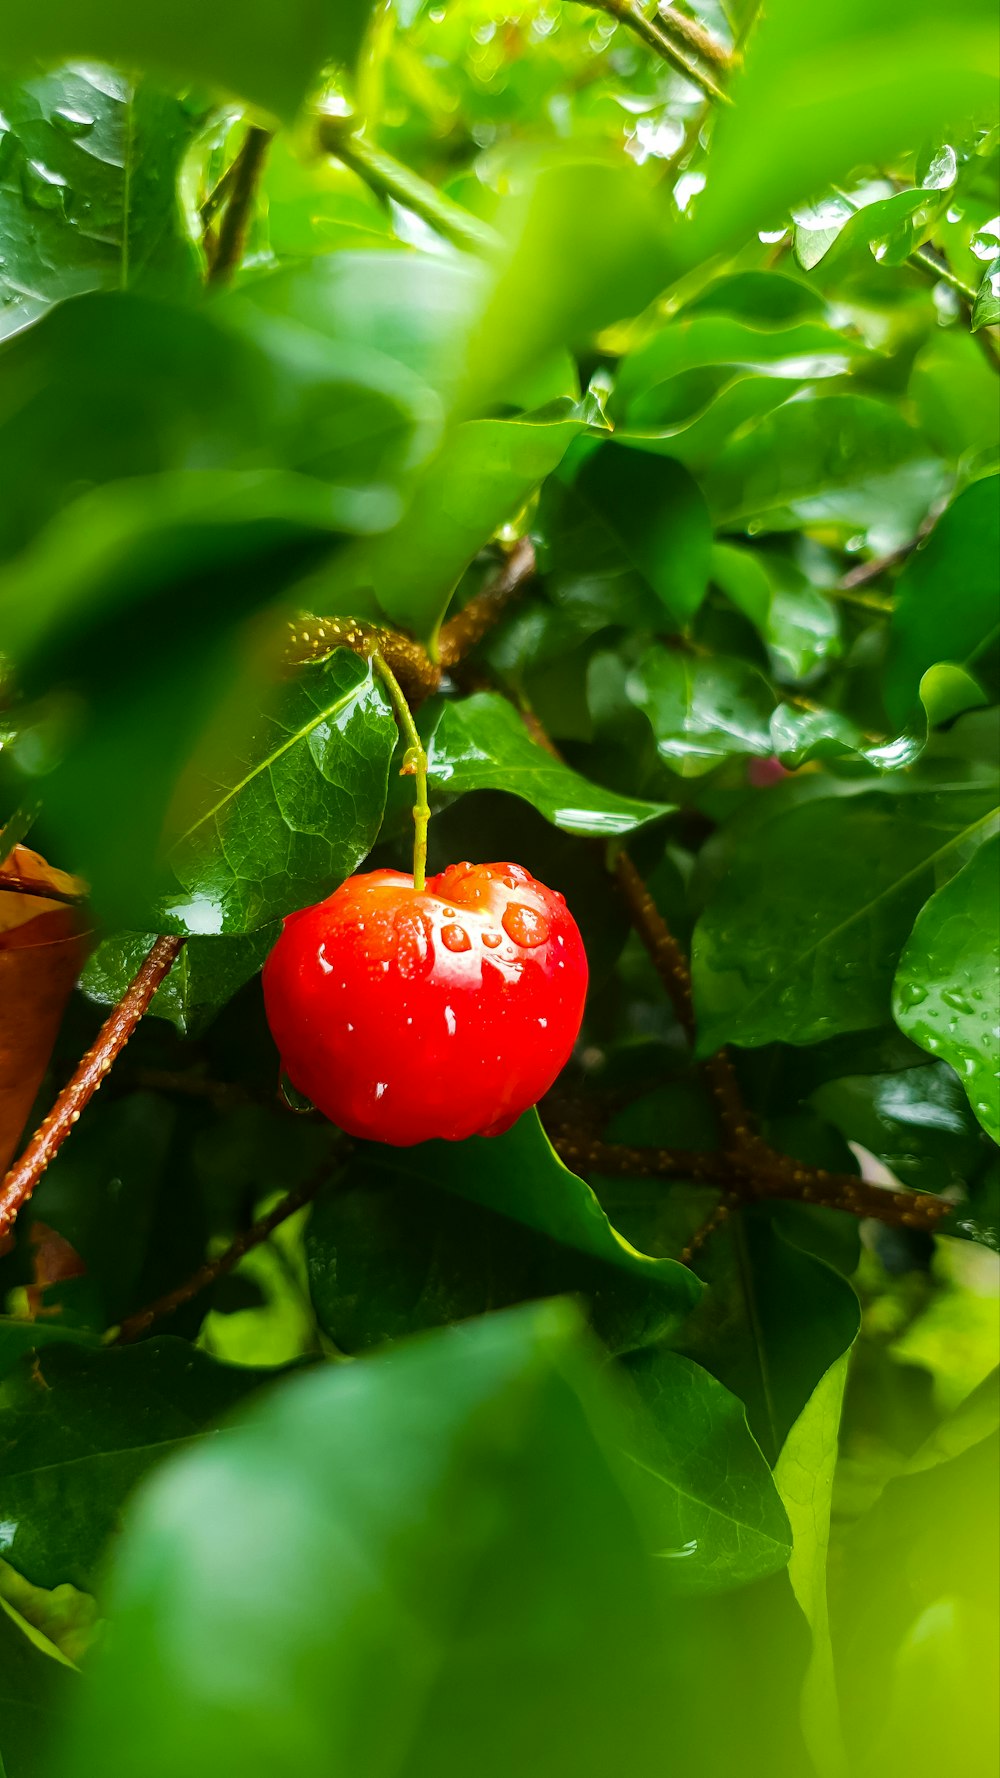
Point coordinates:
[(864, 84), (249, 55), (930, 623), (802, 938), (427, 1513), (296, 812), (78, 1429), (163, 557), (946, 990), (89, 158), (482, 744), (66, 1618)]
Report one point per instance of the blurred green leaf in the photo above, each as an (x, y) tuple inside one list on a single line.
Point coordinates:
[(802, 938), (66, 1619), (434, 1507), (826, 91), (78, 1429), (946, 986), (917, 1122), (482, 744), (295, 812), (18, 1336), (246, 52), (88, 159), (929, 623)]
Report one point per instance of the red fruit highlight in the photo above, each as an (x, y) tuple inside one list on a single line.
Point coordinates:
[(404, 1015)]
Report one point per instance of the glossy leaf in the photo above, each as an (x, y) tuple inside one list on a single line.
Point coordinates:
[(986, 308), (86, 154), (771, 1323), (802, 938), (945, 994), (207, 974), (798, 623), (657, 519), (390, 1255), (35, 1695), (917, 1122), (482, 744), (18, 1336), (520, 1175), (844, 458), (929, 623), (78, 1430), (272, 66), (298, 809), (436, 1504), (717, 1517)]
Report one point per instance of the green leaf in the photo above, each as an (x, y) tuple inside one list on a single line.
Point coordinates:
[(718, 1519), (391, 1255), (482, 744), (295, 812), (480, 479), (64, 1618), (846, 459), (168, 556), (452, 1532), (986, 308), (945, 991), (520, 1175), (18, 1336), (929, 623), (657, 519), (798, 623), (88, 158), (917, 1122), (206, 975), (889, 228), (78, 1430), (802, 937), (250, 54), (865, 85), (772, 1321), (804, 1477), (35, 1694)]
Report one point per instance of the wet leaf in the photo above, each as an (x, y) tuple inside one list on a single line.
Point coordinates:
[(657, 521), (946, 988), (482, 744), (929, 623), (208, 972)]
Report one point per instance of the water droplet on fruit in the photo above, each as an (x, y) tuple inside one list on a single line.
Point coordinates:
[(544, 1024), (525, 925), (449, 913), (450, 1021), (455, 938), (414, 953), (492, 939)]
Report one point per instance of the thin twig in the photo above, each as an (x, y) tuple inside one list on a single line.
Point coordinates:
[(342, 138), (89, 1074), (697, 37), (247, 169), (136, 1325), (461, 633), (655, 34)]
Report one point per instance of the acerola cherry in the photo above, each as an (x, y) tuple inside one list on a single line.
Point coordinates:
[(406, 1014)]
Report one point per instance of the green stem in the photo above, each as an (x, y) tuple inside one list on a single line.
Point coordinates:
[(388, 178), (929, 264), (654, 34), (414, 766), (246, 172)]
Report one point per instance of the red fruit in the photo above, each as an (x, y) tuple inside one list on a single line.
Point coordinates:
[(404, 1015)]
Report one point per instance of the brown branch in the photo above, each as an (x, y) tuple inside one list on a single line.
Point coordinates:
[(657, 34), (461, 633), (89, 1074), (246, 172), (136, 1325), (696, 37), (312, 638)]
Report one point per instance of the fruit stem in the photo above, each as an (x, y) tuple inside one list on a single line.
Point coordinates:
[(414, 766)]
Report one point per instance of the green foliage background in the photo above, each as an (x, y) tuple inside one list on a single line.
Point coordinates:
[(733, 368)]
